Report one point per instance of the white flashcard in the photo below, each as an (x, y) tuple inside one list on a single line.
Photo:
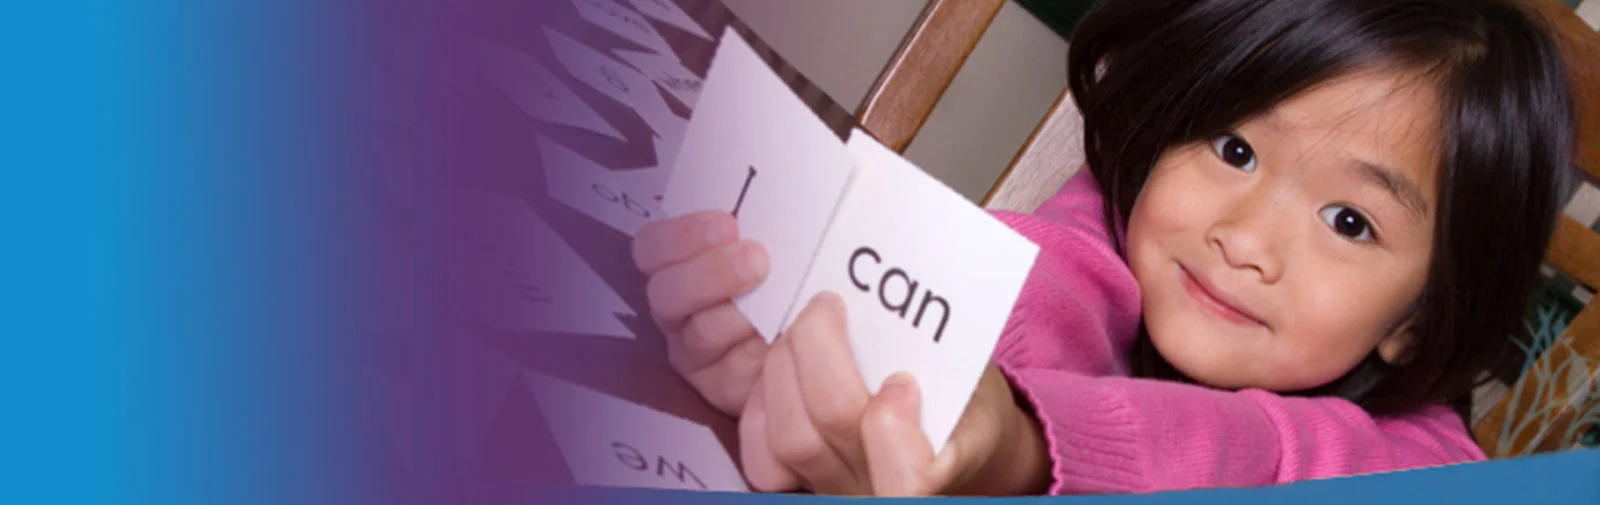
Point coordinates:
[(617, 81), (623, 22), (538, 92), (928, 279), (589, 188), (667, 153), (651, 181), (603, 73), (668, 12), (607, 441), (754, 149), (666, 72), (669, 127), (648, 182), (538, 283)]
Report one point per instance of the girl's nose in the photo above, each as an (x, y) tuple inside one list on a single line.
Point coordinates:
[(1245, 235)]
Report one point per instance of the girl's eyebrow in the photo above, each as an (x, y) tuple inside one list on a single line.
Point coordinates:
[(1402, 188)]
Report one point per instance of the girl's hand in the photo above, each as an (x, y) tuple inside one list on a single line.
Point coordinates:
[(697, 264), (810, 423)]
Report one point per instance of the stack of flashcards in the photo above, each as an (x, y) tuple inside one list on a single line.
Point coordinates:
[(928, 278)]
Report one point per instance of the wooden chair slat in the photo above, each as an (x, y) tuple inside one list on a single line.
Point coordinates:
[(927, 61), (1576, 250)]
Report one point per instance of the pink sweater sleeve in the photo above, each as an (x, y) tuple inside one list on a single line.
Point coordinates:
[(1079, 308), (1065, 349), (1117, 434)]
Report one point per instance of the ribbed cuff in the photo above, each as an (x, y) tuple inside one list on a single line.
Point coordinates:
[(1091, 432)]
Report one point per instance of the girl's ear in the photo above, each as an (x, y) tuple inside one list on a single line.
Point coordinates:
[(1395, 348)]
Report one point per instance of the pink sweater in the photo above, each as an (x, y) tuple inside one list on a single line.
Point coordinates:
[(1066, 350)]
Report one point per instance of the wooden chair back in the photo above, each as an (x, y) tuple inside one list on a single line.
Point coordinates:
[(923, 67), (1557, 400)]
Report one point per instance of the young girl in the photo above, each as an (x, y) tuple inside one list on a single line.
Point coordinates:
[(1306, 228)]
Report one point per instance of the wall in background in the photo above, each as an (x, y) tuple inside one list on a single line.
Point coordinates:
[(1589, 10), (1008, 84)]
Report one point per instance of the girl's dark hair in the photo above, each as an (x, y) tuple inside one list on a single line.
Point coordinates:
[(1149, 75)]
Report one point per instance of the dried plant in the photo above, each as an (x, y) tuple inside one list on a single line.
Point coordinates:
[(1575, 375)]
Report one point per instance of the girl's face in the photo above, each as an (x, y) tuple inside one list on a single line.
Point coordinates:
[(1282, 254)]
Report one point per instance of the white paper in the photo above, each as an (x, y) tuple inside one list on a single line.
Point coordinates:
[(669, 127), (539, 283), (755, 148), (928, 279), (617, 81), (589, 188), (623, 22), (667, 11), (666, 72), (649, 182), (538, 92), (603, 73), (668, 151), (607, 441)]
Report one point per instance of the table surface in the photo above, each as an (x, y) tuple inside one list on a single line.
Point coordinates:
[(635, 370)]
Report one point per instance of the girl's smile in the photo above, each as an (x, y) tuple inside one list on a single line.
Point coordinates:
[(1217, 302)]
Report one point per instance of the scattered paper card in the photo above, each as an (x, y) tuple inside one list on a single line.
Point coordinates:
[(623, 22), (754, 149), (648, 181), (618, 82), (538, 92), (537, 283), (928, 278), (603, 73), (607, 441), (589, 188), (668, 73), (668, 12)]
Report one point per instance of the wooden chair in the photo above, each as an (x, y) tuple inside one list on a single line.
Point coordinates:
[(1553, 404), (1558, 398)]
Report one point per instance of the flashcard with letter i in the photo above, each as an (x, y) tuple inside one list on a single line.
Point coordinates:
[(755, 149)]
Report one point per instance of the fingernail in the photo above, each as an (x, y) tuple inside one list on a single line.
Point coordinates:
[(899, 383), (830, 298), (752, 263)]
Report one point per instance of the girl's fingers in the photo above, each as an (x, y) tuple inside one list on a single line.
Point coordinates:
[(710, 279), (899, 458), (830, 384), (790, 434), (708, 336), (761, 467), (670, 241), (729, 383)]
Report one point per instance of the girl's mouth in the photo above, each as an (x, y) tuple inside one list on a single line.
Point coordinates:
[(1214, 302)]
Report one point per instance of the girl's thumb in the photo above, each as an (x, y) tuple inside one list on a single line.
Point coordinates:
[(898, 454)]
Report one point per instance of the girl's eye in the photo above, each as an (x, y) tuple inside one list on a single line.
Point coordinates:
[(1347, 222), (1235, 151)]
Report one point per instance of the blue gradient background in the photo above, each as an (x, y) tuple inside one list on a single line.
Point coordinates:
[(194, 283), (182, 264)]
